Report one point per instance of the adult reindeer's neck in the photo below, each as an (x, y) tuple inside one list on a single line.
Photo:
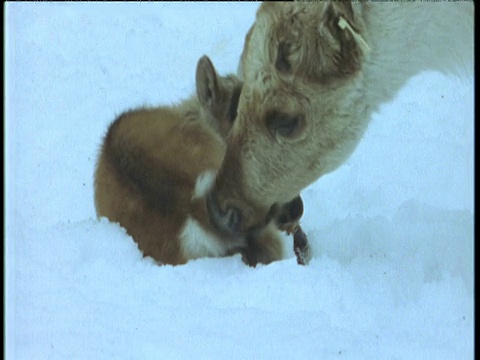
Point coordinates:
[(408, 38)]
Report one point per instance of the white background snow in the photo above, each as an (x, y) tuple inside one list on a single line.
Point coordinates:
[(391, 230)]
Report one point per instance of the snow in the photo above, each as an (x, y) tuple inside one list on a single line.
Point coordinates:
[(391, 231)]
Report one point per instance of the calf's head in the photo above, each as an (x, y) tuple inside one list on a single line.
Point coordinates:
[(218, 98), (296, 115)]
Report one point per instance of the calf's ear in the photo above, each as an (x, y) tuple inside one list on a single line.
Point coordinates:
[(206, 82), (287, 216), (291, 212)]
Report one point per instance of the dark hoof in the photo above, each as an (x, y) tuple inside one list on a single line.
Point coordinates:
[(301, 247)]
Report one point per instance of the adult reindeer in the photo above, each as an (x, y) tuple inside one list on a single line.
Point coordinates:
[(314, 72)]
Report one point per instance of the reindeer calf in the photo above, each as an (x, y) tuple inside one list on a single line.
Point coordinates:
[(156, 166)]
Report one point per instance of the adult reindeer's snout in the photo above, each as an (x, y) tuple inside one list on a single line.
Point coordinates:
[(231, 211), (225, 200)]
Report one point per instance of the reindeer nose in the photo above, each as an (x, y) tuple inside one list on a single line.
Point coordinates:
[(229, 220)]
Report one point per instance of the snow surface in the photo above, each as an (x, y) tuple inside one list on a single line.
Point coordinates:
[(391, 230)]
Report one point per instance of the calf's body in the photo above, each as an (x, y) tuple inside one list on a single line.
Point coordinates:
[(157, 164)]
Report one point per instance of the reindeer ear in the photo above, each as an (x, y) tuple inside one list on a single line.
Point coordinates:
[(343, 9), (289, 214), (344, 24), (207, 82), (342, 20)]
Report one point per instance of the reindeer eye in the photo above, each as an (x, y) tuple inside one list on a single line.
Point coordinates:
[(284, 125)]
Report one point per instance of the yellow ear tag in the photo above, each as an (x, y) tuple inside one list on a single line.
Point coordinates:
[(342, 23)]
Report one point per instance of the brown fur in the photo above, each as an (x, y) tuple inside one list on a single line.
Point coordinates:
[(310, 88), (149, 168)]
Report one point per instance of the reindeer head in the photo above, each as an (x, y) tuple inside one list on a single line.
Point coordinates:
[(296, 116)]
